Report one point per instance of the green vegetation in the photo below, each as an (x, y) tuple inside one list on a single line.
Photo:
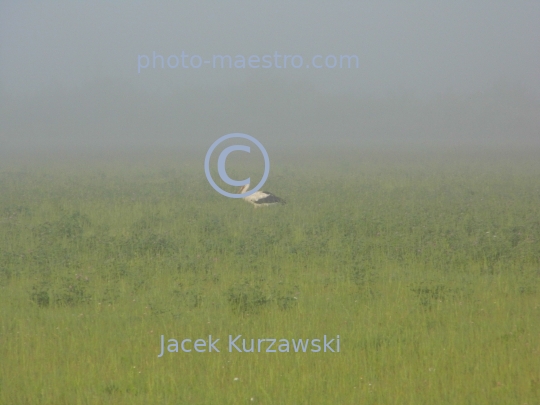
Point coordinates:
[(428, 267)]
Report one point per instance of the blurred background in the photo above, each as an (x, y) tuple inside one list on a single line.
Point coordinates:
[(429, 74)]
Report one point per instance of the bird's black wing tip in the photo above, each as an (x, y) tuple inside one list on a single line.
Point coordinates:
[(271, 199)]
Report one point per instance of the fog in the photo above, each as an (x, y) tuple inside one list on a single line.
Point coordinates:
[(110, 76)]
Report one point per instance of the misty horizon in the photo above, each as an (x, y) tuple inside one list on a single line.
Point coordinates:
[(425, 74)]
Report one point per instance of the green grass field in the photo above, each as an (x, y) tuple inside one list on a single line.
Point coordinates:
[(426, 265)]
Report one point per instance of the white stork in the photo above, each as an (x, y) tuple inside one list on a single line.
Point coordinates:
[(260, 198)]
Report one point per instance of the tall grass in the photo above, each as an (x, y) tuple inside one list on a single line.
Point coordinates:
[(428, 267)]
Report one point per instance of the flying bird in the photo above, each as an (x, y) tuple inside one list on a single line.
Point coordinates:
[(260, 198)]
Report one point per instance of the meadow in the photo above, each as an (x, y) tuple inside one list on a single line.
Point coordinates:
[(427, 265)]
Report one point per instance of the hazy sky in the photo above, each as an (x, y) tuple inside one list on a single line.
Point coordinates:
[(424, 47), (73, 73)]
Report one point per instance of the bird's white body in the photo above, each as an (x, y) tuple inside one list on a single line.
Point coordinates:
[(260, 198)]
